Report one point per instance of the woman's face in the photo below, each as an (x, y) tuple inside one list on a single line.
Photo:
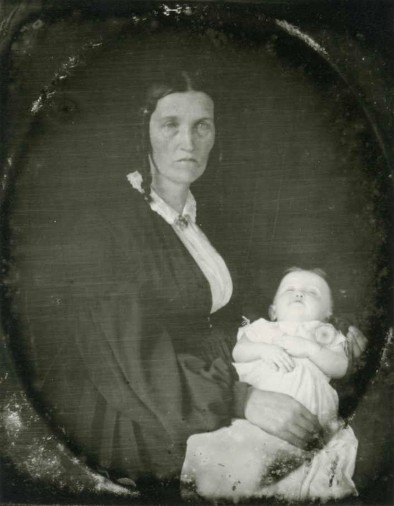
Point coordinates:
[(182, 134)]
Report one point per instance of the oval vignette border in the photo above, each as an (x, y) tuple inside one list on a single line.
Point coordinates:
[(47, 462)]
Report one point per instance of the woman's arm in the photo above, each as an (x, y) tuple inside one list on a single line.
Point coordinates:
[(332, 361), (123, 389), (283, 417), (355, 340)]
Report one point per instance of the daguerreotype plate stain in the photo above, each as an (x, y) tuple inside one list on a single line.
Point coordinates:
[(304, 179)]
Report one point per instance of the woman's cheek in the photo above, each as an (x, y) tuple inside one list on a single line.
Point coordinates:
[(208, 145)]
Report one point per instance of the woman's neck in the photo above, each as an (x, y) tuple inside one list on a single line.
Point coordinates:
[(174, 194)]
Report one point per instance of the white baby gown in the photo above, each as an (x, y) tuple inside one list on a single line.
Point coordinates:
[(244, 461)]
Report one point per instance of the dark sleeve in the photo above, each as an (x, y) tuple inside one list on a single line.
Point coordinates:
[(220, 344), (128, 355), (219, 347)]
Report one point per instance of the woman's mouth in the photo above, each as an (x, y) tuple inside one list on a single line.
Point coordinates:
[(187, 160)]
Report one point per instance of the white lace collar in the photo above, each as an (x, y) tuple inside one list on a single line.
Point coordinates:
[(160, 206)]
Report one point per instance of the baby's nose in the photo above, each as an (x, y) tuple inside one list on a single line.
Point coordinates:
[(299, 295)]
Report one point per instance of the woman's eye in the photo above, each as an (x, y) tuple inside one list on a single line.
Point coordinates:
[(169, 128), (203, 127), (170, 124)]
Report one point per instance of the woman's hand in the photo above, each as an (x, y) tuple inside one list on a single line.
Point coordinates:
[(295, 346), (356, 342), (283, 417), (277, 357), (356, 345)]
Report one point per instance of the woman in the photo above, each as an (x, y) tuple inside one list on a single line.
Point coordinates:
[(133, 365)]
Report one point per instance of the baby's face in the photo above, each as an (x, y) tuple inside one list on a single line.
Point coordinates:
[(302, 296)]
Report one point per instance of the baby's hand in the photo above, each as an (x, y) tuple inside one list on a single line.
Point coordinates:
[(278, 358), (295, 346)]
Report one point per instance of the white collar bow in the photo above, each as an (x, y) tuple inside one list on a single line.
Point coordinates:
[(161, 207)]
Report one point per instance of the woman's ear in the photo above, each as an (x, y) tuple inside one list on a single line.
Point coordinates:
[(272, 312)]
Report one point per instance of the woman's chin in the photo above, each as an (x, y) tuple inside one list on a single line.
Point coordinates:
[(188, 177)]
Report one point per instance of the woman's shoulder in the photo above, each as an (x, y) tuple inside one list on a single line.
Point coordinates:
[(123, 201), (121, 209), (107, 224)]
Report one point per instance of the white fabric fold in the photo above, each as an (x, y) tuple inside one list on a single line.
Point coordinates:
[(196, 242)]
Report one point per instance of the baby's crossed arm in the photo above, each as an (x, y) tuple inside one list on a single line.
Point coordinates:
[(331, 361), (246, 351)]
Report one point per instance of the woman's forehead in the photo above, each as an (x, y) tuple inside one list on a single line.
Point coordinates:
[(184, 104)]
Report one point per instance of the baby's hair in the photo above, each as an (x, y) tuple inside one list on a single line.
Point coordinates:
[(316, 270)]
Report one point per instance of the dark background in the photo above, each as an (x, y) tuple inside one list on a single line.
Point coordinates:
[(304, 178)]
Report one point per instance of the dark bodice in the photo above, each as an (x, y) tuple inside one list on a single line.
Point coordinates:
[(124, 346)]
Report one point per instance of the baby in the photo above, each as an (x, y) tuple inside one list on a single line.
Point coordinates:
[(297, 354)]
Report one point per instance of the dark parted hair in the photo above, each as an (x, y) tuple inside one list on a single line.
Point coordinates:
[(165, 83)]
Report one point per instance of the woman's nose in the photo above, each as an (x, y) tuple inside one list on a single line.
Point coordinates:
[(186, 140)]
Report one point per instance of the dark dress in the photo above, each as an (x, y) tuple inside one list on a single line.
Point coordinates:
[(127, 360)]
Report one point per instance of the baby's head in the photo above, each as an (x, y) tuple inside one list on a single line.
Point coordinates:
[(303, 295)]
